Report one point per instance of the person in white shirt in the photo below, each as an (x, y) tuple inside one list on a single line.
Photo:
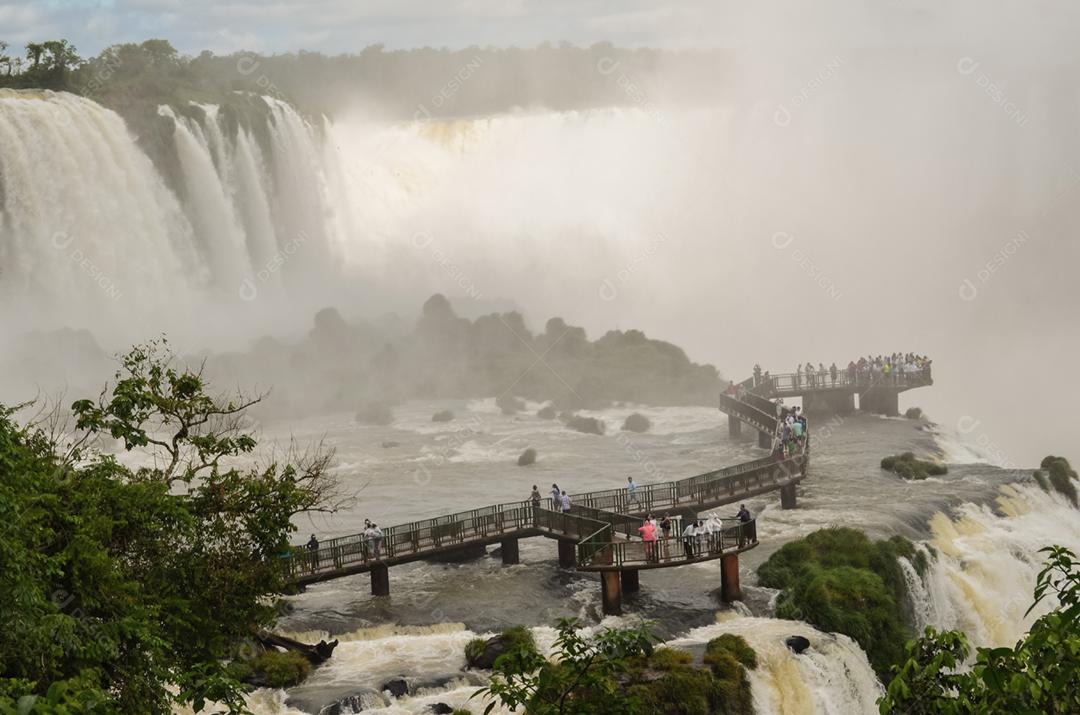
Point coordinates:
[(688, 536)]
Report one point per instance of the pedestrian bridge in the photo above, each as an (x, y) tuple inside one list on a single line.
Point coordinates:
[(599, 532)]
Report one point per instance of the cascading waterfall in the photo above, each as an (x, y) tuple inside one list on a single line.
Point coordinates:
[(86, 223), (983, 563)]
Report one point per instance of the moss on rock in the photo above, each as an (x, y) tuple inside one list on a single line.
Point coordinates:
[(907, 466)]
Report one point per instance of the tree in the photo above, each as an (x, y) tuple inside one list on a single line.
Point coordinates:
[(1037, 675), (118, 583)]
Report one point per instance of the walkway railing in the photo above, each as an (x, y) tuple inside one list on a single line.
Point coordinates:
[(734, 535), (795, 382)]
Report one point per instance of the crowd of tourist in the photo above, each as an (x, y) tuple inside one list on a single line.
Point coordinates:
[(895, 368)]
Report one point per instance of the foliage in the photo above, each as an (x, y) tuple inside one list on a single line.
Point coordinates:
[(1037, 675), (1062, 476), (474, 649), (282, 669), (117, 582), (908, 467), (838, 580), (580, 679), (617, 671)]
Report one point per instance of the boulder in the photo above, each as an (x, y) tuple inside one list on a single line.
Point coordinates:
[(356, 703), (636, 422), (484, 658), (527, 457), (509, 405), (547, 412), (914, 413), (375, 413), (397, 687), (589, 425), (440, 709), (390, 443), (442, 416), (797, 644)]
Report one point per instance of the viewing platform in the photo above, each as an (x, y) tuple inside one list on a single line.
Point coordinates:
[(599, 533)]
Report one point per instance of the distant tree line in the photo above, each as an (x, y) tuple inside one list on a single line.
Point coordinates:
[(418, 83)]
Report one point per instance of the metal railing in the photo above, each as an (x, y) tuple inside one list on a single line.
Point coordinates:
[(763, 421), (733, 536), (800, 381)]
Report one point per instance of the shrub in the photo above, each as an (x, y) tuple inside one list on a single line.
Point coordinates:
[(443, 416), (282, 669), (474, 649), (839, 580), (907, 466), (527, 457), (1062, 476), (589, 425), (668, 658), (733, 645), (547, 412), (913, 413)]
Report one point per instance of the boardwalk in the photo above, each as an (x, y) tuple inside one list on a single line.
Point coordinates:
[(599, 532)]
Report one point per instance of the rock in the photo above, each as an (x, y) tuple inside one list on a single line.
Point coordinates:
[(484, 658), (375, 413), (527, 457), (440, 709), (547, 412), (442, 416), (390, 443), (913, 413), (509, 405), (589, 425), (358, 702), (636, 422), (397, 687), (797, 643)]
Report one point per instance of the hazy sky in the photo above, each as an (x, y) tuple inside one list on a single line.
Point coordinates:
[(349, 25)]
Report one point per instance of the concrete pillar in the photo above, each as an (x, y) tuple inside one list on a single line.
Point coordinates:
[(567, 553), (734, 426), (890, 403), (380, 580), (764, 440), (787, 496), (611, 593), (729, 578), (630, 581), (510, 554)]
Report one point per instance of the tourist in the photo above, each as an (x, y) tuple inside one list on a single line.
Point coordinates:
[(688, 536), (648, 535), (556, 496), (700, 536), (631, 490), (730, 391), (564, 501), (378, 537), (313, 543), (744, 514), (369, 540), (535, 497), (665, 530)]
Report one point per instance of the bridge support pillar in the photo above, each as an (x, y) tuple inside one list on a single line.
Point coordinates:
[(787, 496), (829, 403), (729, 578), (611, 592), (630, 581), (734, 426), (380, 580), (880, 401), (567, 553), (510, 552), (764, 440)]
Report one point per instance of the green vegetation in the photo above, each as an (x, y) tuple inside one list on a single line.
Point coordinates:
[(1062, 477), (618, 672), (1037, 675), (838, 580), (493, 652), (908, 467), (282, 669), (118, 582)]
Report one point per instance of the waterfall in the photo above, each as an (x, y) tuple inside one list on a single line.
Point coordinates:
[(983, 562), (87, 226)]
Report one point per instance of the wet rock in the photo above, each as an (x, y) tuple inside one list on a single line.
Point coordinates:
[(440, 709), (636, 422), (443, 416), (390, 443), (797, 644), (547, 412), (527, 457), (588, 425), (509, 405), (355, 703), (397, 687), (375, 413), (484, 658), (914, 413)]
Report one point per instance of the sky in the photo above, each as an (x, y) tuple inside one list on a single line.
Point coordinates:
[(337, 26)]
